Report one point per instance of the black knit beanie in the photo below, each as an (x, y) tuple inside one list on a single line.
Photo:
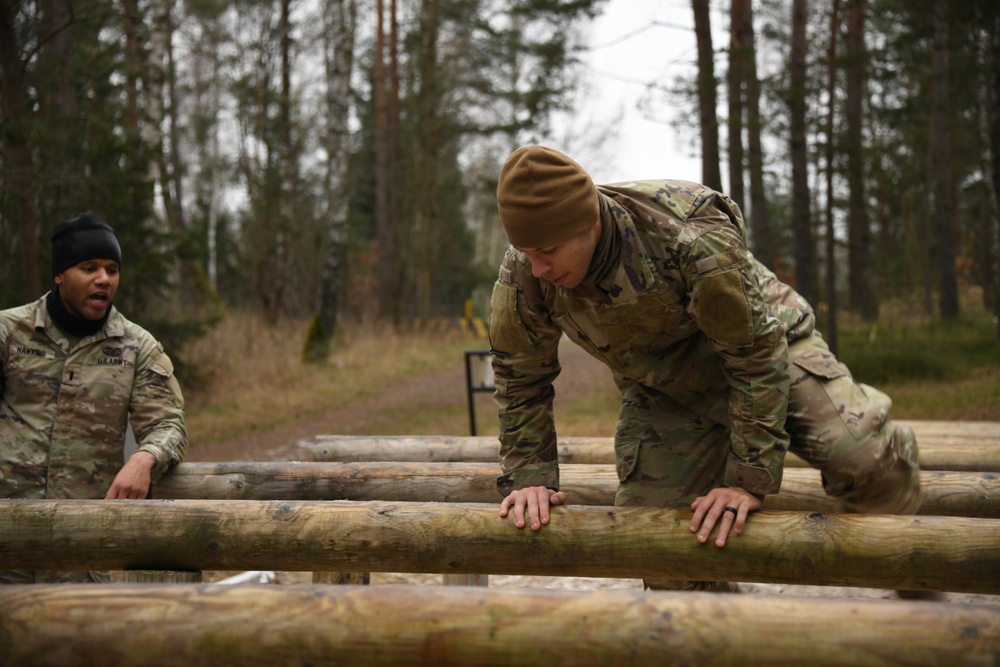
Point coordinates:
[(82, 238)]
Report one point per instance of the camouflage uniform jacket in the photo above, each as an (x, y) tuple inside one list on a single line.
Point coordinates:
[(64, 407), (686, 312)]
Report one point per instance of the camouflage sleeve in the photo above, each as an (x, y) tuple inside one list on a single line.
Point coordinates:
[(156, 409), (524, 344), (790, 308), (728, 306)]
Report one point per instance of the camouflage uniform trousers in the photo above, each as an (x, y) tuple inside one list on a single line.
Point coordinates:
[(668, 456)]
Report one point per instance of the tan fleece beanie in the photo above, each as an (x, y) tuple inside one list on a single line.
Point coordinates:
[(544, 198)]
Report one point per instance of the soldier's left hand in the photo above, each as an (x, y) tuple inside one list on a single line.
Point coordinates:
[(132, 481), (726, 507)]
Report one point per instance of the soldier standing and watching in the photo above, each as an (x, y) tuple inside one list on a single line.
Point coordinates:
[(720, 369), (73, 373)]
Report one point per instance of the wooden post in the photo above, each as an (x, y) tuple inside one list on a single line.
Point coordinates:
[(260, 626), (946, 493), (895, 552), (964, 453)]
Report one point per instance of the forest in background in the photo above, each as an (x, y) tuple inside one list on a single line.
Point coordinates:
[(336, 161)]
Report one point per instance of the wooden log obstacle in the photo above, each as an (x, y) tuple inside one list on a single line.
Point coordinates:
[(973, 450), (195, 625), (152, 626), (947, 493), (931, 553)]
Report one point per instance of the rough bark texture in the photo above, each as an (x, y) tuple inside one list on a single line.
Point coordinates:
[(383, 224), (759, 226), (429, 144), (942, 169), (861, 280), (946, 493), (391, 625), (973, 452), (16, 152), (904, 553), (806, 279), (830, 242), (711, 176), (734, 84), (340, 18)]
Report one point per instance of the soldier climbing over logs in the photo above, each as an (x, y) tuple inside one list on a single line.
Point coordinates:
[(720, 368)]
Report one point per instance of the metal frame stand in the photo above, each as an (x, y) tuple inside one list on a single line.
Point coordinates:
[(478, 378)]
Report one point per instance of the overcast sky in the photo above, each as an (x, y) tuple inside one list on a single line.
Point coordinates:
[(636, 43)]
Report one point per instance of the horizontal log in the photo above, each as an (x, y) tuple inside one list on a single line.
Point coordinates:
[(946, 493), (957, 453), (881, 551), (964, 428), (257, 625)]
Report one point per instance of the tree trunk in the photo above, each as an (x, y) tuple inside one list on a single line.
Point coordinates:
[(760, 213), (708, 121), (995, 145), (734, 84), (941, 168), (155, 77), (169, 165), (132, 24), (20, 174), (988, 101), (386, 261), (428, 153), (860, 280), (287, 165), (401, 237), (830, 245), (264, 625), (340, 18), (206, 99), (806, 280), (191, 273), (947, 493), (166, 153), (896, 552)]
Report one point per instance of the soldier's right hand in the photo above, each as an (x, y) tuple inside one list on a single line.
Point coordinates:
[(537, 500)]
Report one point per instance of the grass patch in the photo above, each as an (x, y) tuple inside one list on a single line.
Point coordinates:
[(252, 378), (932, 370), (935, 351)]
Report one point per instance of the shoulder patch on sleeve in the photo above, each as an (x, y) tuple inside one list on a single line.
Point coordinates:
[(163, 366), (722, 309), (507, 332)]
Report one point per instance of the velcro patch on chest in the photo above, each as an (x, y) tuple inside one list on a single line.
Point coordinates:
[(722, 309)]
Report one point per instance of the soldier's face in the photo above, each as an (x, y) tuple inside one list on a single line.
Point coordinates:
[(566, 263), (88, 288)]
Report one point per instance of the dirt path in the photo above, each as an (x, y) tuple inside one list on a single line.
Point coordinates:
[(431, 392)]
